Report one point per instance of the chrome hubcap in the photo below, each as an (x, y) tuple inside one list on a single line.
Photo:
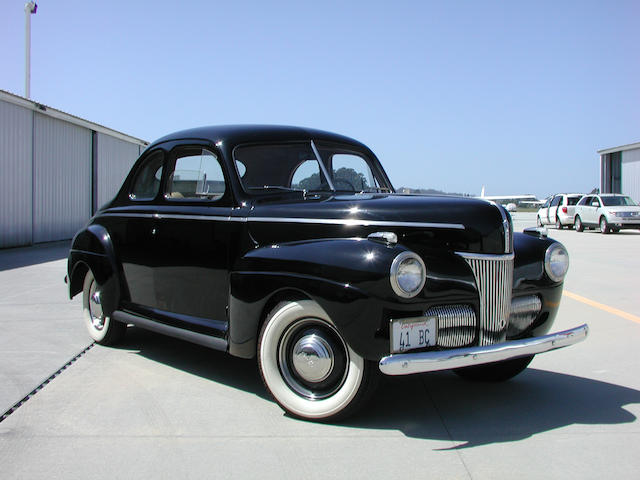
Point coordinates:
[(95, 307), (312, 358)]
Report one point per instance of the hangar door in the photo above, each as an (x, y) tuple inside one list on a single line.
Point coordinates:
[(61, 178)]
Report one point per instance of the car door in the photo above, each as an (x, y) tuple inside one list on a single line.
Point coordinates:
[(543, 213), (131, 225), (192, 238), (581, 208), (594, 210), (552, 211)]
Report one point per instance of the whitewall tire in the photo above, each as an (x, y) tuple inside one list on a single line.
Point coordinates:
[(102, 328), (308, 367)]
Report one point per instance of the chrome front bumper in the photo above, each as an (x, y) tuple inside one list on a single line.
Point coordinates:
[(408, 363)]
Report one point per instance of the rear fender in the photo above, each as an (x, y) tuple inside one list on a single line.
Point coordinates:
[(92, 249)]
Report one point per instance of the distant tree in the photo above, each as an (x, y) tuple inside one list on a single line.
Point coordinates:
[(349, 178), (310, 183), (343, 179)]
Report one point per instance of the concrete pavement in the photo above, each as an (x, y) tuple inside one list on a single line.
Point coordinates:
[(159, 407)]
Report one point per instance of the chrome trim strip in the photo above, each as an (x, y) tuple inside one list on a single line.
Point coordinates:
[(322, 166), (356, 222), (508, 247), (486, 256), (325, 221), (159, 216), (409, 363)]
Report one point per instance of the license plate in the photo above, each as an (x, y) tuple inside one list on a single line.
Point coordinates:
[(412, 333)]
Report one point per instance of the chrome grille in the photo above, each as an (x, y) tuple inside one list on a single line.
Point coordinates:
[(494, 279), (524, 311), (456, 325)]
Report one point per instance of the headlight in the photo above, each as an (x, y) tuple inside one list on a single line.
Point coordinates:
[(556, 262), (408, 275)]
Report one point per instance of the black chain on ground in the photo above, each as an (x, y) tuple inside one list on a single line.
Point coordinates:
[(24, 400)]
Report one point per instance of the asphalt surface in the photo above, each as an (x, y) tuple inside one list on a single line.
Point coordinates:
[(162, 408)]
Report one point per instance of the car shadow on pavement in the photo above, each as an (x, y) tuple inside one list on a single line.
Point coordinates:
[(475, 413), (197, 360), (436, 406)]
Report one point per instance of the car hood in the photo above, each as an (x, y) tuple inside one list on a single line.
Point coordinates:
[(623, 208), (458, 223)]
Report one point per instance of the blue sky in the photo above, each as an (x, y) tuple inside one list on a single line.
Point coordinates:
[(453, 95)]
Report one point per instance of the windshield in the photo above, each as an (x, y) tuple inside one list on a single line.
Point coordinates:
[(296, 167), (618, 201)]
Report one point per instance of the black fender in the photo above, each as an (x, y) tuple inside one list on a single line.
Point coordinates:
[(530, 277), (92, 248), (348, 278)]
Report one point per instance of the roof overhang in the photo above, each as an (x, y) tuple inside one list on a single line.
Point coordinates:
[(631, 146), (52, 112)]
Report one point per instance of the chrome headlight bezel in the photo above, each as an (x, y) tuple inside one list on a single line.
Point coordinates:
[(401, 260), (556, 262)]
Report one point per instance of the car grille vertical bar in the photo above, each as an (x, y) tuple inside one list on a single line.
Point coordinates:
[(494, 280)]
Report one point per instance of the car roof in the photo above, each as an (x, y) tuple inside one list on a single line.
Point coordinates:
[(237, 134)]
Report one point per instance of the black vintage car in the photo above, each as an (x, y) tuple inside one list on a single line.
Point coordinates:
[(290, 245)]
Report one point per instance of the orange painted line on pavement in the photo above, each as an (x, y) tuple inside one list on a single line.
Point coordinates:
[(602, 306)]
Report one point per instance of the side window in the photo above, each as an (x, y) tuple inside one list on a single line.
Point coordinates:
[(147, 182), (555, 201), (352, 173), (307, 176), (584, 201), (595, 202), (197, 175)]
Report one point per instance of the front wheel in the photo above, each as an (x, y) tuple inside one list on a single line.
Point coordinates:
[(102, 328), (578, 225), (495, 372), (604, 226), (308, 367)]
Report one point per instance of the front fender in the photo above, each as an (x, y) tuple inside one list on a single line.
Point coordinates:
[(529, 277), (348, 278), (92, 248)]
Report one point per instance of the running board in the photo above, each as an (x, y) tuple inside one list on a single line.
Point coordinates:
[(201, 339)]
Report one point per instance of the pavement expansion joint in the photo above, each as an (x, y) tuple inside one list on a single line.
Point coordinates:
[(48, 380)]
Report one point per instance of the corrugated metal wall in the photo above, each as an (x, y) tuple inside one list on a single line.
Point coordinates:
[(115, 158), (54, 169), (631, 173), (16, 125), (61, 179)]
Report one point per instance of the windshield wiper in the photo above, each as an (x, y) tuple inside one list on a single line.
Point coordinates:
[(275, 187)]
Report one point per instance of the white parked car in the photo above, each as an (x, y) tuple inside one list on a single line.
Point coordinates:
[(558, 210), (610, 212)]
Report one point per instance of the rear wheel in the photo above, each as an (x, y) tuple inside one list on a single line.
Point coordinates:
[(308, 367), (578, 224), (539, 221), (604, 226), (558, 223), (495, 372), (102, 328)]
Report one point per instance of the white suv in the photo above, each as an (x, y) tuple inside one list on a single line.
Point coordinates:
[(558, 210), (610, 212)]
